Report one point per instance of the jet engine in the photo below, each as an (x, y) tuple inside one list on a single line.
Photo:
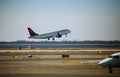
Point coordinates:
[(58, 35)]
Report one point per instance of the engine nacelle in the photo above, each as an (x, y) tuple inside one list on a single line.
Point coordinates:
[(58, 35)]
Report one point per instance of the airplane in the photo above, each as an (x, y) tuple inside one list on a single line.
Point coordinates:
[(52, 35), (112, 61)]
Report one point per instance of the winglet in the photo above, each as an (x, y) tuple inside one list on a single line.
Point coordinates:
[(31, 32)]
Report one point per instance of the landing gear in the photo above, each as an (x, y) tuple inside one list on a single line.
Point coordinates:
[(65, 35), (110, 70), (48, 38), (53, 38)]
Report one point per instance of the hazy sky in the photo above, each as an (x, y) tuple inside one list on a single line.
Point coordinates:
[(87, 19)]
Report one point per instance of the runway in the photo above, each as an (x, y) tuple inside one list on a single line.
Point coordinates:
[(54, 68), (55, 75), (50, 63)]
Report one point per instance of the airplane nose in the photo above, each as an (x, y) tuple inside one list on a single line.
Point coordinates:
[(101, 62), (69, 31), (105, 62)]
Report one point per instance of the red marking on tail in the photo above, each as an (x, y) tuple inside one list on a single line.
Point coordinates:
[(31, 32)]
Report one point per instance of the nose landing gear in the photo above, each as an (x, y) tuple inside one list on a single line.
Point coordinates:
[(110, 70), (65, 35)]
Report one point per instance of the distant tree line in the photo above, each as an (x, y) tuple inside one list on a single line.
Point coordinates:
[(61, 42)]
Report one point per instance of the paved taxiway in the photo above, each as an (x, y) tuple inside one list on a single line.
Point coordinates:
[(54, 68), (79, 64)]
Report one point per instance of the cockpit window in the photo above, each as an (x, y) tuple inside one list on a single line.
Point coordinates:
[(113, 56)]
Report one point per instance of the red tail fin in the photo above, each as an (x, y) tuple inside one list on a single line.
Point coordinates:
[(31, 32)]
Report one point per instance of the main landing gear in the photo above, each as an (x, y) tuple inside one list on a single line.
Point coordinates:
[(48, 38), (53, 38)]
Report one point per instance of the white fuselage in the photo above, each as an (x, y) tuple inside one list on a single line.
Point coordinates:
[(51, 34), (111, 61)]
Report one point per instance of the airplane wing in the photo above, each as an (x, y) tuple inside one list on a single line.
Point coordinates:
[(59, 34)]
